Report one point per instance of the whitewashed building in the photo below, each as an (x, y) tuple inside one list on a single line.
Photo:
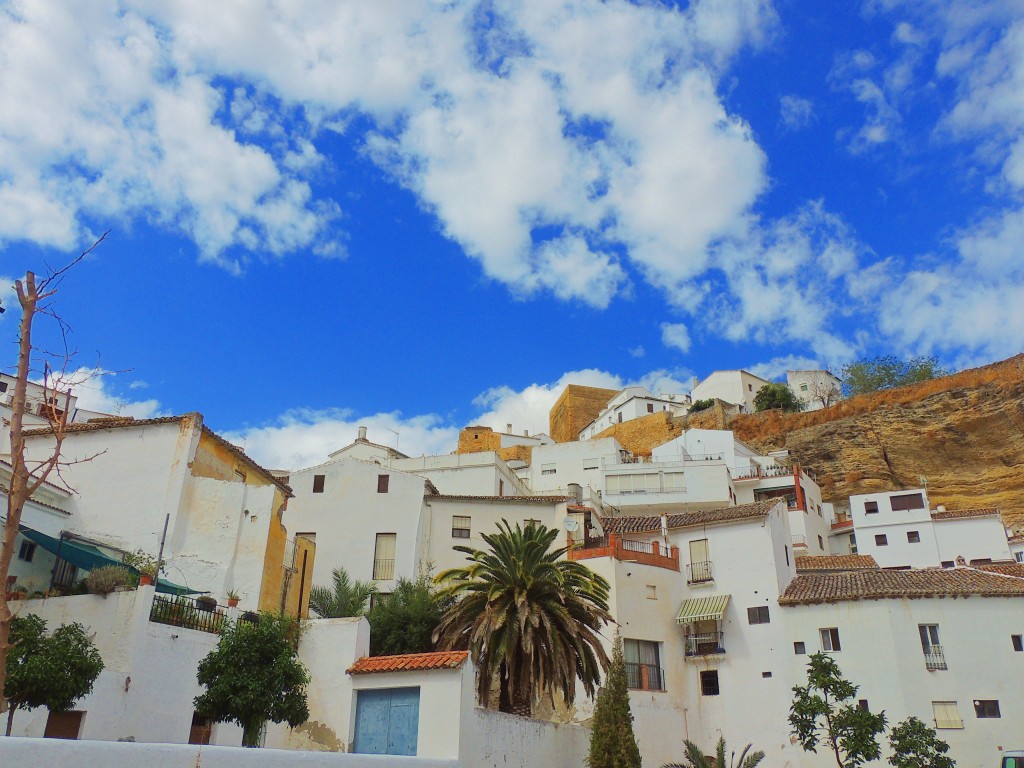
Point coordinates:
[(736, 387), (815, 389), (634, 403), (1016, 544)]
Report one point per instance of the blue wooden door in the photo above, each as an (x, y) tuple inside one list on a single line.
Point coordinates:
[(387, 721)]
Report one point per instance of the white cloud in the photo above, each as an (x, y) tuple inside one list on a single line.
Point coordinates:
[(96, 391), (638, 351), (8, 298), (795, 113), (775, 369), (883, 122), (676, 336)]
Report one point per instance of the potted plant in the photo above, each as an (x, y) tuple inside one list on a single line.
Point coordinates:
[(17, 592), (144, 563), (233, 598), (206, 602)]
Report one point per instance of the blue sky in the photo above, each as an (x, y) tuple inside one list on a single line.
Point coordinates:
[(423, 215)]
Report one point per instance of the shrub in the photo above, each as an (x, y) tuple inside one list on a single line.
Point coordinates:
[(701, 405), (103, 581)]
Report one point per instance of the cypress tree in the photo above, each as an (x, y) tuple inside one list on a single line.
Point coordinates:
[(612, 743)]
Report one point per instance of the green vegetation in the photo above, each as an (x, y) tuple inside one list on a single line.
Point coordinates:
[(52, 671), (824, 712), (915, 745), (701, 405), (887, 371), (776, 396), (103, 581), (530, 619), (254, 676), (612, 743), (695, 758), (345, 598), (405, 620)]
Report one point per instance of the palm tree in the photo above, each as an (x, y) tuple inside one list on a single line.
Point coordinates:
[(530, 620), (347, 598), (695, 758)]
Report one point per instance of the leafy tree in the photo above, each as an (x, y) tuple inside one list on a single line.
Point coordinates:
[(346, 598), (915, 745), (695, 758), (887, 371), (824, 711), (405, 620), (776, 395), (529, 618), (254, 675), (701, 405), (52, 671), (612, 743)]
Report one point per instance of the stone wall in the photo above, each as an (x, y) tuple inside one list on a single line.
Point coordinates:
[(476, 438), (576, 407)]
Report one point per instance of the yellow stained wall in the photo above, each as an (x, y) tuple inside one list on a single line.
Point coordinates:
[(299, 582), (476, 439)]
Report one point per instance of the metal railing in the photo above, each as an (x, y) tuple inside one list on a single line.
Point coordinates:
[(645, 677), (776, 471), (934, 658), (383, 570), (186, 612), (704, 644), (638, 546), (289, 554), (699, 572)]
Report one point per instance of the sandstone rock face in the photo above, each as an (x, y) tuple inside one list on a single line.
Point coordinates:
[(576, 407)]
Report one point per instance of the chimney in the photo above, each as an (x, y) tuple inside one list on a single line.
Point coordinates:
[(508, 428), (362, 434), (696, 381)]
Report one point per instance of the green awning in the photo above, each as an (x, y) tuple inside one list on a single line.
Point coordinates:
[(703, 609), (170, 588), (78, 553)]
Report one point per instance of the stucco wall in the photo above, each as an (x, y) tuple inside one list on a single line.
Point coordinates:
[(498, 740)]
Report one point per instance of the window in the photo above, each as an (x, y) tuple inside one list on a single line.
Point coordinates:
[(3, 386), (946, 714), (803, 387), (620, 417), (650, 407), (382, 483), (906, 502), (862, 705), (853, 544), (460, 527), (929, 636), (1019, 556), (758, 615), (634, 483), (643, 665), (913, 537), (199, 733), (830, 639), (591, 463), (871, 507), (531, 521), (673, 481), (709, 682), (318, 483), (799, 648), (986, 708), (881, 540), (766, 674), (547, 469), (1018, 642), (700, 565), (384, 556), (750, 387), (378, 597), (27, 551), (821, 544), (501, 487), (652, 592), (947, 563)]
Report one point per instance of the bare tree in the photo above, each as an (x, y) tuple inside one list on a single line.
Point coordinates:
[(35, 297), (824, 390)]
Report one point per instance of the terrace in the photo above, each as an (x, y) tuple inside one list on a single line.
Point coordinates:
[(626, 550)]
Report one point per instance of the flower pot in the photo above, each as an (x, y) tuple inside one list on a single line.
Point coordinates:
[(232, 602), (145, 579)]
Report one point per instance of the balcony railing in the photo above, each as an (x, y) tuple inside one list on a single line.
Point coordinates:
[(699, 572), (613, 545), (645, 677), (704, 644), (186, 612), (843, 520), (383, 570), (638, 546), (934, 658)]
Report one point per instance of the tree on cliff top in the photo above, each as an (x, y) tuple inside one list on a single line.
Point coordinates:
[(887, 371)]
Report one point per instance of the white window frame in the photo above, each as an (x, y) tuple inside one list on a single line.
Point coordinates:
[(830, 641)]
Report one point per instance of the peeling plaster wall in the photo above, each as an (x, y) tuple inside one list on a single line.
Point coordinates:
[(498, 740)]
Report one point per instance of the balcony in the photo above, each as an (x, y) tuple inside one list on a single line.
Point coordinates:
[(627, 550), (699, 572), (842, 521), (383, 570), (704, 644), (187, 612), (934, 658), (644, 677)]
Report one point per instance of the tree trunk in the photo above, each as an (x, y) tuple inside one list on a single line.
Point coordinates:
[(251, 733), (10, 716)]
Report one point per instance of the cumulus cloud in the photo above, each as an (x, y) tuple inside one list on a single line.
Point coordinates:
[(775, 369), (795, 113), (676, 336), (97, 390), (852, 72)]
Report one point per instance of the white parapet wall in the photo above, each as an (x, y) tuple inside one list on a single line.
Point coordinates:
[(57, 753)]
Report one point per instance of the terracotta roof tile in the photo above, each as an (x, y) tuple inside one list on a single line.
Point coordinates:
[(834, 562), (409, 662), (867, 584), (953, 514), (520, 499), (1007, 569), (652, 523)]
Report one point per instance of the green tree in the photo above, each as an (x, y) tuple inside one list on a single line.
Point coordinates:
[(612, 743), (405, 620), (824, 711), (915, 745), (776, 395), (695, 757), (52, 671), (530, 619), (887, 371), (701, 405), (254, 675), (346, 598)]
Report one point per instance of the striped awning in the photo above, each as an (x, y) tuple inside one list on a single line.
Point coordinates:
[(703, 608)]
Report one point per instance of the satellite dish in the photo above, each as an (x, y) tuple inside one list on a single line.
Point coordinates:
[(570, 524)]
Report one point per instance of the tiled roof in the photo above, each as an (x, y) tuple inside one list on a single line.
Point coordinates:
[(1007, 569), (834, 562), (652, 523), (1016, 539), (810, 588), (409, 662), (953, 514), (117, 422), (520, 499)]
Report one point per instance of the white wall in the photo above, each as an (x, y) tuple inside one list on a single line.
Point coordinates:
[(736, 387), (570, 462), (973, 538), (810, 387), (482, 473), (498, 740)]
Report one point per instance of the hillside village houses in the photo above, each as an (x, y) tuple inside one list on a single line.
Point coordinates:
[(726, 570)]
